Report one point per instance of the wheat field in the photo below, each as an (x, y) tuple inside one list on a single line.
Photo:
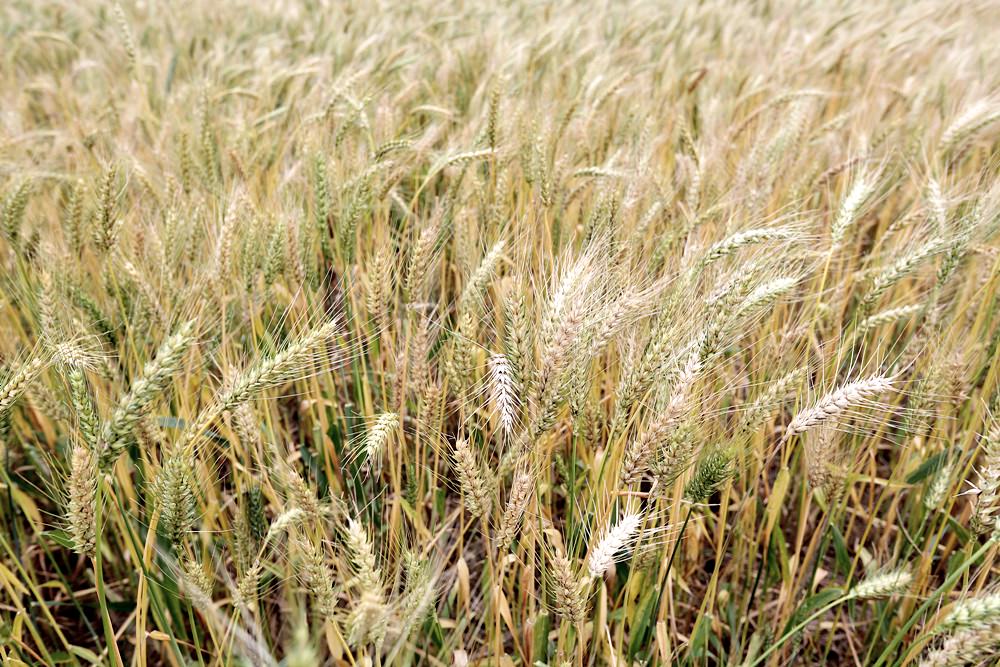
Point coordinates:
[(456, 332)]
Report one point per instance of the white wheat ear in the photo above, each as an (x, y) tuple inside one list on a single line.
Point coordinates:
[(971, 614), (621, 536), (834, 404), (504, 392), (378, 437), (969, 123), (847, 215), (747, 237), (882, 584)]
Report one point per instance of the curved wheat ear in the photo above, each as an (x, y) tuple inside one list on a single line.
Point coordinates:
[(765, 295), (289, 364), (17, 382), (834, 404), (847, 215), (882, 584), (971, 614), (510, 523), (617, 315), (747, 237), (888, 317), (504, 392), (379, 436), (283, 366), (283, 522), (82, 505), (641, 449), (712, 472), (775, 394), (156, 377), (479, 280), (969, 123), (900, 269), (968, 647), (462, 158), (620, 536)]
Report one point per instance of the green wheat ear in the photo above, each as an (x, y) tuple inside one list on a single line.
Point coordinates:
[(174, 493), (713, 470), (81, 509), (256, 519), (156, 377)]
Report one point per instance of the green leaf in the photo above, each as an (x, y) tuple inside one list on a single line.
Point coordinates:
[(86, 654), (927, 468), (811, 604), (540, 637), (841, 554), (642, 622), (700, 638), (60, 537)]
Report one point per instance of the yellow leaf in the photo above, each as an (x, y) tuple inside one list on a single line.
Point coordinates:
[(776, 498), (12, 580), (29, 507), (663, 642), (505, 610), (464, 587), (86, 654)]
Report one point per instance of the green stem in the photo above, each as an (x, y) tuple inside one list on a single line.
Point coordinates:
[(666, 573), (794, 631), (109, 631), (677, 542), (948, 583)]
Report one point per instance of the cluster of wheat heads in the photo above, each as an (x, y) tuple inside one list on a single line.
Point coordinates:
[(485, 333)]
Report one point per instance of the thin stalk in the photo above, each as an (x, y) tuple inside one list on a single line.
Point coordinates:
[(948, 583), (102, 598)]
